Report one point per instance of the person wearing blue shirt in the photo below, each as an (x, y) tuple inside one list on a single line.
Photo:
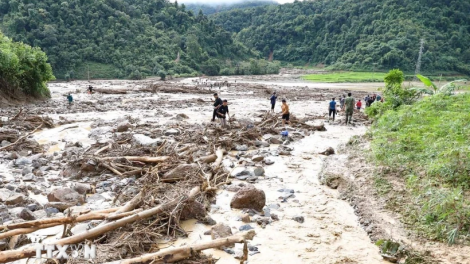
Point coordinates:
[(70, 98), (273, 101), (332, 109)]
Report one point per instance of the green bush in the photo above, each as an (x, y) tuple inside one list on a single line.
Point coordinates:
[(427, 143), (24, 70)]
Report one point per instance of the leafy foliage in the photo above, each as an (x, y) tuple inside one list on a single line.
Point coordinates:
[(137, 37), (432, 89), (209, 9), (23, 70), (363, 35), (427, 143)]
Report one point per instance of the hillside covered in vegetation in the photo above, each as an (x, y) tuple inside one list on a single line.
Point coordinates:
[(24, 70), (352, 34), (120, 38), (209, 9)]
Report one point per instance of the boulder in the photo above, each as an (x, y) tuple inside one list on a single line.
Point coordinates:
[(29, 177), (275, 141), (181, 171), (89, 166), (123, 126), (60, 206), (257, 158), (299, 219), (194, 210), (15, 199), (246, 218), (240, 171), (23, 213), (249, 197), (81, 188), (263, 144), (172, 132), (21, 161), (258, 171), (329, 151), (65, 195), (268, 161), (245, 228), (220, 230), (146, 141), (5, 143), (26, 170)]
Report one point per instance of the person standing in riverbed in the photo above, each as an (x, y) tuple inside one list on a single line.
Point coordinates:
[(341, 101), (332, 109), (349, 104), (273, 101), (222, 113), (70, 98), (285, 112), (217, 104)]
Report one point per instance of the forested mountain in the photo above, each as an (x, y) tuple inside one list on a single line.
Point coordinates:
[(121, 38), (362, 34), (209, 9)]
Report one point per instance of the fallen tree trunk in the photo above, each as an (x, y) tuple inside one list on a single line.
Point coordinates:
[(129, 206), (208, 159), (176, 254), (13, 255), (21, 138), (142, 159), (110, 91)]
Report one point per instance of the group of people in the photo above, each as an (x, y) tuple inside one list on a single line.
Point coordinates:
[(374, 98), (347, 104)]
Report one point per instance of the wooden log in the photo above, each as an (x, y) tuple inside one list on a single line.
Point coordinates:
[(208, 159), (141, 159), (21, 138), (220, 155), (103, 149), (110, 91), (129, 206), (13, 255), (170, 255), (109, 167)]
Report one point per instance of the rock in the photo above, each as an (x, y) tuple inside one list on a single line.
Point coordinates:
[(268, 162), (123, 126), (5, 143), (329, 151), (245, 228), (80, 228), (65, 195), (208, 221), (23, 213), (81, 188), (21, 161), (181, 116), (263, 144), (147, 141), (26, 170), (275, 141), (32, 207), (258, 171), (181, 171), (29, 177), (257, 158), (89, 166), (220, 230), (240, 171), (233, 188), (299, 219), (274, 217), (51, 211), (15, 199), (241, 147), (194, 210), (249, 197), (60, 206), (263, 221), (252, 179), (172, 132), (274, 206), (207, 233), (13, 156), (246, 218), (3, 245)]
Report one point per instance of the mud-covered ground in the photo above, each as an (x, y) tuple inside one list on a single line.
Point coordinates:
[(303, 221)]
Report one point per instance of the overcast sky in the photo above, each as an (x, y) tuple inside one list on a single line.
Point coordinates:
[(225, 1)]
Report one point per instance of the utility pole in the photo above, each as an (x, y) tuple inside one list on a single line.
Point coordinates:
[(418, 63), (88, 70)]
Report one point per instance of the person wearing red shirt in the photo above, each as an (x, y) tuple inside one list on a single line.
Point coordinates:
[(359, 105)]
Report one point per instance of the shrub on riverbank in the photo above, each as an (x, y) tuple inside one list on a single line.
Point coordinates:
[(427, 144), (24, 70)]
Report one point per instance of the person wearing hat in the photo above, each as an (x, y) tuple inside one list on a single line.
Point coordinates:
[(217, 104), (273, 101), (285, 112)]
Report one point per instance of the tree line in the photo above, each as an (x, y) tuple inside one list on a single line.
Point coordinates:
[(122, 38), (352, 34)]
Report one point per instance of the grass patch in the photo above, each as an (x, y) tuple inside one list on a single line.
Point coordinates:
[(341, 77), (429, 142)]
